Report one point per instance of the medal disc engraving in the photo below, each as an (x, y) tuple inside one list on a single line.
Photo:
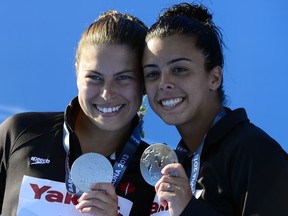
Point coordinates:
[(154, 159), (89, 169)]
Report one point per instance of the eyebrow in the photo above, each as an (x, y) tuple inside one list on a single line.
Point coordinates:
[(149, 65), (169, 62), (178, 59), (116, 74), (93, 71)]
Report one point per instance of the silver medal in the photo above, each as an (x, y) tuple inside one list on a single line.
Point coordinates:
[(89, 169), (154, 159)]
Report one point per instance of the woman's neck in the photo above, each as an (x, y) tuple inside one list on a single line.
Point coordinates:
[(193, 132), (94, 139)]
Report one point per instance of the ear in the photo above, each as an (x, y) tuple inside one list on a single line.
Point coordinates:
[(215, 78), (76, 68)]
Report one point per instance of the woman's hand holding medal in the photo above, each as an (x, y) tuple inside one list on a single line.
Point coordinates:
[(92, 174), (159, 167), (174, 190), (101, 200)]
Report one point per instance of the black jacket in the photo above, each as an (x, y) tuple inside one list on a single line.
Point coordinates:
[(243, 171), (25, 135)]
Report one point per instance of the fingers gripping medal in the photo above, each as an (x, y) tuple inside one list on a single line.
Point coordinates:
[(154, 159), (89, 169)]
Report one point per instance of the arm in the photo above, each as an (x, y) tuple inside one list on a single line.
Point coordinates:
[(199, 207), (259, 177), (4, 155), (175, 191)]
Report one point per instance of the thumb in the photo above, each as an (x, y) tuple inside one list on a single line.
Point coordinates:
[(174, 169)]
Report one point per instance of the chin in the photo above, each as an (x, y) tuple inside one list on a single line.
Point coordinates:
[(110, 128), (170, 121)]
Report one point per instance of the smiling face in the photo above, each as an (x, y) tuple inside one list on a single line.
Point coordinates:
[(178, 87), (109, 85)]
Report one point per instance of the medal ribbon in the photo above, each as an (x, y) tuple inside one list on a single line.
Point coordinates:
[(195, 162), (70, 187), (126, 155), (122, 161)]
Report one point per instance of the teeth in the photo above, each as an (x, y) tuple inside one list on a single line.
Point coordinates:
[(109, 109), (171, 102)]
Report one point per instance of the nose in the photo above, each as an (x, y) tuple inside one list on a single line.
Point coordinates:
[(107, 91), (166, 83)]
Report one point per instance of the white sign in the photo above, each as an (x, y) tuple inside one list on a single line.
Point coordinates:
[(45, 197)]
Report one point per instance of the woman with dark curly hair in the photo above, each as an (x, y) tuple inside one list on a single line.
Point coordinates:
[(228, 166)]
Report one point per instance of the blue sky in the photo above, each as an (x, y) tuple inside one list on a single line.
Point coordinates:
[(38, 41)]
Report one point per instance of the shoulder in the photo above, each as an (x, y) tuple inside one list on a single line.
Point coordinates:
[(28, 119), (237, 125), (30, 123), (250, 134), (249, 142), (236, 133)]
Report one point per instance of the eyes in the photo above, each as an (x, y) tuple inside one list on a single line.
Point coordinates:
[(123, 77), (98, 78), (153, 72), (94, 77)]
